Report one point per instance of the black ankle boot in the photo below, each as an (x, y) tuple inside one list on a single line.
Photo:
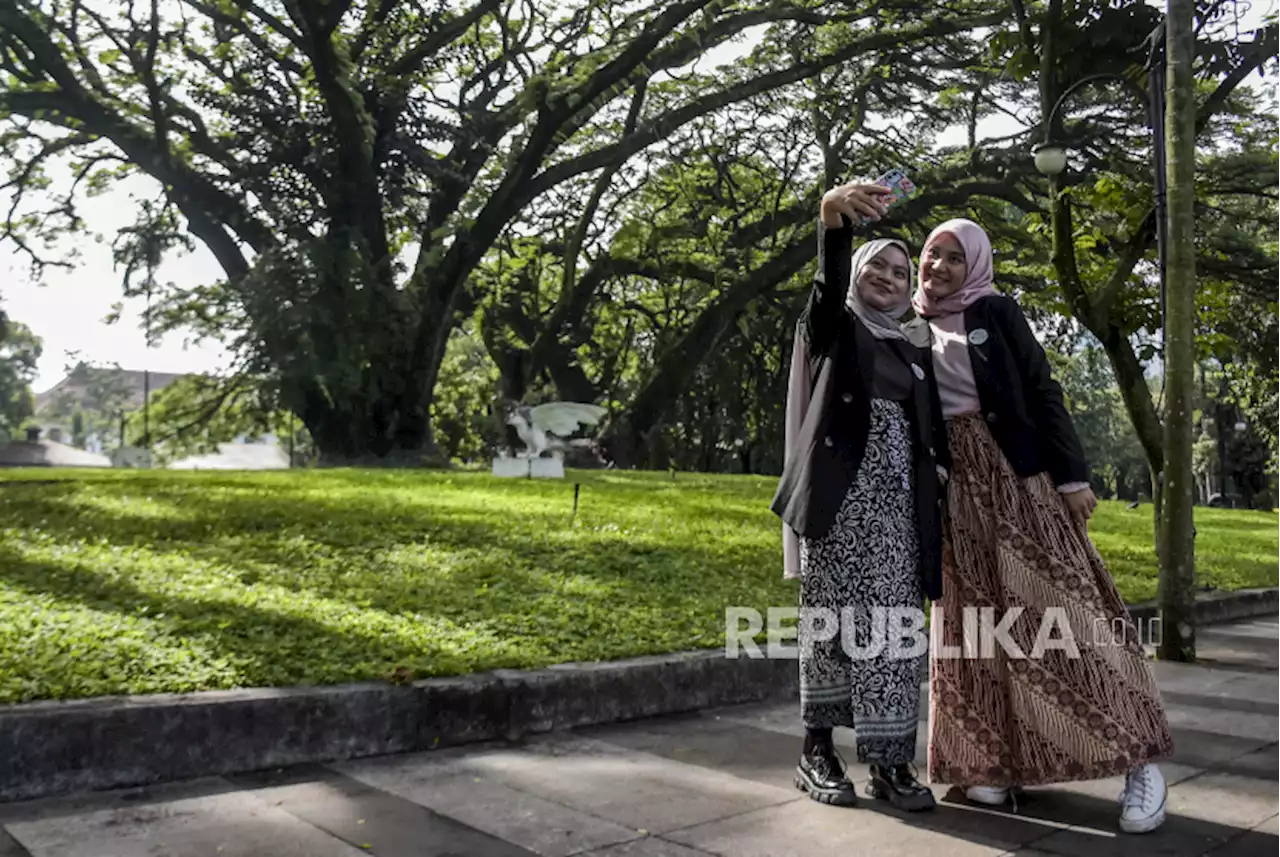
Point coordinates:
[(821, 774), (897, 784)]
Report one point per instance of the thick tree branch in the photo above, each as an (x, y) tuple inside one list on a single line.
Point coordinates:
[(209, 210), (570, 297), (660, 127), (1024, 28), (443, 33), (355, 200), (1256, 54)]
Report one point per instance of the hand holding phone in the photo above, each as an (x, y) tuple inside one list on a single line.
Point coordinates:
[(854, 203), (899, 186)]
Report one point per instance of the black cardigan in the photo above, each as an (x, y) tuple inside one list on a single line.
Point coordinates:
[(824, 459), (1021, 402)]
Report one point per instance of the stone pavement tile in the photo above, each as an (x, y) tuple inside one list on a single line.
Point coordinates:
[(636, 790), (1205, 812), (1222, 721), (1221, 699), (1259, 842), (649, 846), (1264, 764), (784, 719), (87, 802), (805, 828), (1193, 678), (780, 717), (539, 825), (1259, 687), (234, 824), (1088, 803), (1197, 748), (743, 751), (1233, 801), (9, 846), (1263, 629), (1177, 837), (1236, 651), (385, 824)]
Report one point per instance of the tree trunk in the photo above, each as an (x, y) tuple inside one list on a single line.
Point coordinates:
[(364, 426), (1177, 533)]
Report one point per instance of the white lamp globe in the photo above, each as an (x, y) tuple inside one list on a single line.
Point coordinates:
[(1051, 160)]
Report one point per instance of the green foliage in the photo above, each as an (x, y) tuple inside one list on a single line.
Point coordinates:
[(140, 582), (1110, 443), (19, 354), (98, 396), (468, 380), (195, 413)]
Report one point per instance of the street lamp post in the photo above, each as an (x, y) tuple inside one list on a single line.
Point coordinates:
[(1051, 155), (1175, 528), (1051, 160)]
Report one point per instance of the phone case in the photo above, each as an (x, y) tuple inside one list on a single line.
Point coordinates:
[(896, 181)]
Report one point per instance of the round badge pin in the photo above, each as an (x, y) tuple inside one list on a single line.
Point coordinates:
[(977, 337), (915, 367)]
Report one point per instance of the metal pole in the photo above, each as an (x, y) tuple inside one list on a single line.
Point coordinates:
[(146, 369), (1156, 78)]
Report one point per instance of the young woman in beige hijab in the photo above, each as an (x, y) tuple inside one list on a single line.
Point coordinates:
[(860, 502)]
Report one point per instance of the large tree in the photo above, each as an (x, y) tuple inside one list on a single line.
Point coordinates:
[(1101, 217), (671, 295), (350, 163)]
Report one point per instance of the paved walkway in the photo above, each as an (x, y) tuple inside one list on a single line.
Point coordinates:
[(715, 783)]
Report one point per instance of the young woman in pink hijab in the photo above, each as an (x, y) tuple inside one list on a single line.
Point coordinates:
[(860, 501), (1016, 539)]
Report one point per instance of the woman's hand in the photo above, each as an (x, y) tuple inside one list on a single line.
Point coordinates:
[(1080, 504), (855, 201)]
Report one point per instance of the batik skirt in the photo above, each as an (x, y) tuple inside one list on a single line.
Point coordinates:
[(863, 575), (1063, 691)]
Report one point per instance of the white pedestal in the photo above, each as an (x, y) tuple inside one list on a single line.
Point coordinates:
[(546, 468), (524, 468), (511, 467)]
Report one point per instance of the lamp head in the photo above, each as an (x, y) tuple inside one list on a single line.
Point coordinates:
[(1051, 159)]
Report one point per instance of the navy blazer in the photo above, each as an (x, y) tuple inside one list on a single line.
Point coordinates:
[(825, 457)]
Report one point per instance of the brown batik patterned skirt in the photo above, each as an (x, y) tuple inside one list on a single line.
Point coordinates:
[(1050, 716)]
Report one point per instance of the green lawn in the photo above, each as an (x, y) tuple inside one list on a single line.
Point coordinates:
[(119, 581)]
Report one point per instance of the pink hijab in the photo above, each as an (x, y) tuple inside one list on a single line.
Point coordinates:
[(977, 280)]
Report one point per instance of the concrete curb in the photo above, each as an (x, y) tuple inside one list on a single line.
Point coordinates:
[(1216, 607), (53, 748)]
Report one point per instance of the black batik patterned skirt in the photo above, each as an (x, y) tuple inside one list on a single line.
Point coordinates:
[(864, 575)]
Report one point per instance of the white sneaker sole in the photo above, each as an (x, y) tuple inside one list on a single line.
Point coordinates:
[(986, 799), (1142, 825)]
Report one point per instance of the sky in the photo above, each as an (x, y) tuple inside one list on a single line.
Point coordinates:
[(66, 309)]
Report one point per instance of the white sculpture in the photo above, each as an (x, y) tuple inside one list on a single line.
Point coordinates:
[(542, 429)]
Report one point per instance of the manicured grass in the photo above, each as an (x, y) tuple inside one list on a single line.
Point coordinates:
[(135, 582)]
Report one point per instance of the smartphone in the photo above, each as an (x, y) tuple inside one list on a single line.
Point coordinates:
[(902, 187)]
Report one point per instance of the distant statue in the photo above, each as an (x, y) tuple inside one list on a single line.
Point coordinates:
[(543, 428)]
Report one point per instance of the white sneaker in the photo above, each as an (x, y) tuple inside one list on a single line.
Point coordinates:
[(1142, 803), (988, 795)]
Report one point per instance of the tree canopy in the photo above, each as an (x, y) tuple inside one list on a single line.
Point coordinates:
[(421, 208)]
